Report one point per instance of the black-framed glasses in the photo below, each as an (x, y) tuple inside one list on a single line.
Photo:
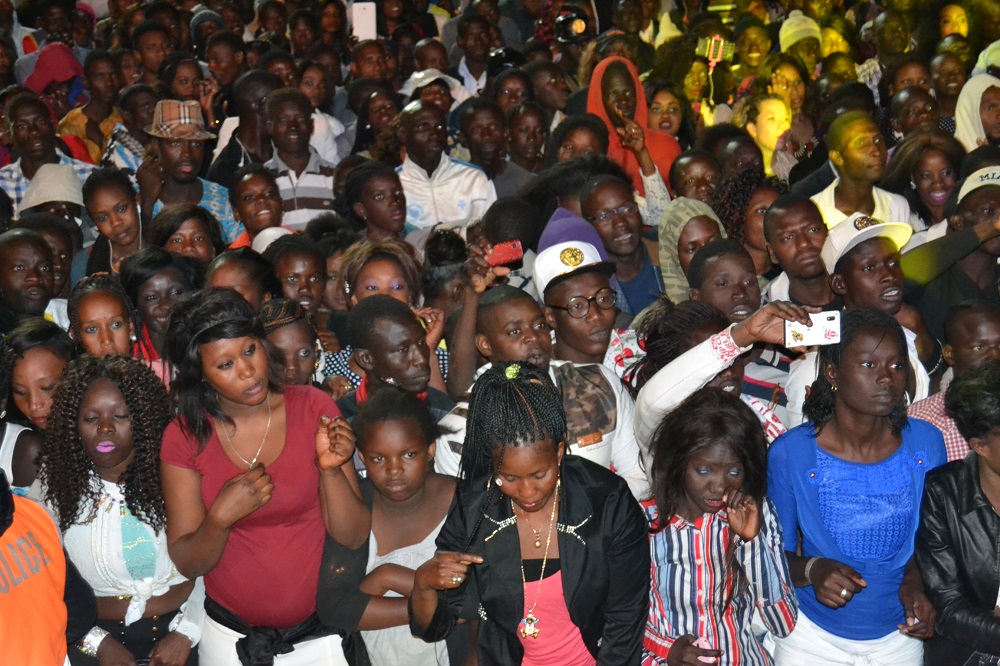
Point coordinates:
[(578, 307), (606, 216)]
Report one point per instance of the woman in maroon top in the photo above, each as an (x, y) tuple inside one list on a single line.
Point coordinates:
[(242, 466)]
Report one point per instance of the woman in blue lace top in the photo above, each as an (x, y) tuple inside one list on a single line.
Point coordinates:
[(849, 483)]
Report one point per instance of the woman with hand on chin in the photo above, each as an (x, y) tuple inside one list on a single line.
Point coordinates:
[(242, 466), (99, 477), (544, 552), (850, 481)]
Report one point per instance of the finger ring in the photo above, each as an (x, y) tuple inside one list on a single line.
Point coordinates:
[(843, 594), (457, 580)]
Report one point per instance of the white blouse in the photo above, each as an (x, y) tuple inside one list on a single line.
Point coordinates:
[(97, 549)]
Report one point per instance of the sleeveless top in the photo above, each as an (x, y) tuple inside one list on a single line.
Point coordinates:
[(395, 646)]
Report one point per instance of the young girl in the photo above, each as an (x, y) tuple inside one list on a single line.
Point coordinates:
[(548, 552), (256, 203), (287, 329), (245, 272), (713, 531), (35, 355), (374, 199), (528, 134), (313, 84), (301, 270), (187, 230), (396, 435), (111, 203), (101, 317), (154, 280), (99, 476)]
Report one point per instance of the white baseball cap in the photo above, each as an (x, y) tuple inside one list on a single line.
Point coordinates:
[(854, 231), (564, 260), (982, 178)]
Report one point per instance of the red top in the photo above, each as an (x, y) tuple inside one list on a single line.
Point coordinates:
[(280, 545), (559, 641)]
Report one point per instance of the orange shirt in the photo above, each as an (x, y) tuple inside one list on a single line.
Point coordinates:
[(32, 584)]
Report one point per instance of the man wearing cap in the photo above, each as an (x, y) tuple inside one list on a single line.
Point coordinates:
[(439, 189), (861, 254), (572, 31), (510, 326), (858, 151), (977, 275), (799, 36), (30, 125), (169, 175)]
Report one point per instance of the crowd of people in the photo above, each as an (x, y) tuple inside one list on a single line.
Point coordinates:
[(476, 333)]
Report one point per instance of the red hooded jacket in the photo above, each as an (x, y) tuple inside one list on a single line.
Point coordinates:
[(662, 147)]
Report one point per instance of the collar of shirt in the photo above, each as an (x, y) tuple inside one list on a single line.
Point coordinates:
[(275, 164), (472, 84)]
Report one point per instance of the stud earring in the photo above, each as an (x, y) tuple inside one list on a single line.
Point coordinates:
[(499, 482), (913, 185)]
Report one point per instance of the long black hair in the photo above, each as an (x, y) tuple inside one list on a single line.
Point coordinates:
[(204, 317), (819, 406)]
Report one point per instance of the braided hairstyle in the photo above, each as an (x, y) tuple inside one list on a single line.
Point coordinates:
[(512, 404), (667, 331), (65, 468), (108, 284), (820, 405), (280, 312), (732, 196)]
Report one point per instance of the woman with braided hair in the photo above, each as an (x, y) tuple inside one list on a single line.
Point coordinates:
[(292, 338), (99, 476), (569, 583), (740, 201)]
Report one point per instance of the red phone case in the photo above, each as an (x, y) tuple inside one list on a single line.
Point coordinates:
[(504, 253)]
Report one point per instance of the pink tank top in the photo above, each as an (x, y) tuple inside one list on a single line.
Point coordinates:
[(559, 642)]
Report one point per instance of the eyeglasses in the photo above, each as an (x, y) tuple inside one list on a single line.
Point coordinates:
[(578, 307), (605, 216)]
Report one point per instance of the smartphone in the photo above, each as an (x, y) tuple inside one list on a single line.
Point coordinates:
[(363, 21), (504, 253), (824, 330)]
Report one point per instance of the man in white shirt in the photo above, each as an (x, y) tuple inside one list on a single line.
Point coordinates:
[(857, 150), (439, 189)]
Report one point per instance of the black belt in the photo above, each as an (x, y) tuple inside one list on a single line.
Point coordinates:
[(260, 645)]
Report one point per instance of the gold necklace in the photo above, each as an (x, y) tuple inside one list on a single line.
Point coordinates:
[(530, 622), (267, 429), (538, 535)]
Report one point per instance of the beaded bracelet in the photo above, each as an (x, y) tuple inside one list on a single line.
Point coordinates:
[(89, 643)]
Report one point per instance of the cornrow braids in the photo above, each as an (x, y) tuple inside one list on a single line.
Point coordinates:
[(280, 312), (65, 468), (109, 284)]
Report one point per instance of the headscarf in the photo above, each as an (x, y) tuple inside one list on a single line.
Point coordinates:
[(968, 124), (675, 218), (662, 147), (56, 64)]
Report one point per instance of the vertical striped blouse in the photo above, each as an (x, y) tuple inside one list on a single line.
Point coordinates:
[(691, 592)]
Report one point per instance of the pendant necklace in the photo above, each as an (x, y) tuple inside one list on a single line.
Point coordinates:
[(267, 429), (529, 624)]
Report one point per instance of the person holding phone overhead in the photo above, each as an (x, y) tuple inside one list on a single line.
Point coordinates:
[(249, 468), (546, 552), (849, 482)]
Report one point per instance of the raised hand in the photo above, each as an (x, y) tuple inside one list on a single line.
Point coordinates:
[(434, 320), (631, 133), (768, 323), (743, 513), (334, 443), (242, 495), (481, 274)]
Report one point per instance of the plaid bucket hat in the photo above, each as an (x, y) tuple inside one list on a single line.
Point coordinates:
[(173, 119)]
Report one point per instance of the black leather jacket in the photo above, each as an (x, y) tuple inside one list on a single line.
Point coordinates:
[(604, 555), (958, 552)]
